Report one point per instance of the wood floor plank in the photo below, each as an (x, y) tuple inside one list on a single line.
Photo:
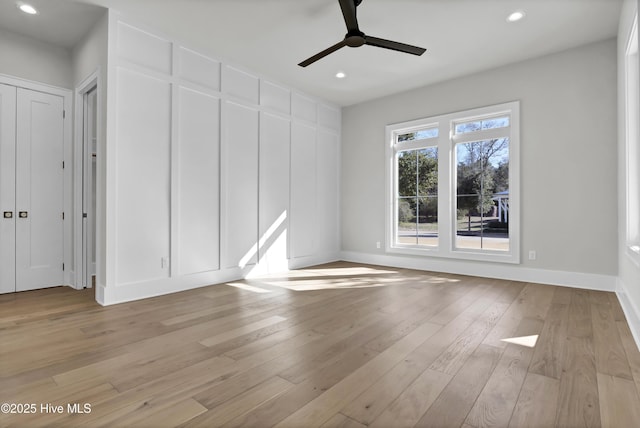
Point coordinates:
[(375, 399), (537, 403), (456, 400), (334, 346), (496, 402), (579, 317), (611, 357), (328, 404), (457, 353), (631, 351), (170, 414), (578, 403), (551, 346), (245, 402), (618, 402), (418, 314), (474, 298), (342, 421), (228, 335), (414, 401), (275, 410), (562, 295), (532, 302), (616, 308)]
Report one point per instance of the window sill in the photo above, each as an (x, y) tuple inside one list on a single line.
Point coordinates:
[(633, 253)]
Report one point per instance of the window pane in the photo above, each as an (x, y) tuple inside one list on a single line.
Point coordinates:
[(482, 195), (428, 221), (407, 173), (427, 171), (496, 122), (468, 127), (419, 135), (407, 221), (417, 200)]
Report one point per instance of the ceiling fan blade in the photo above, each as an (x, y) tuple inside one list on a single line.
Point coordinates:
[(322, 54), (349, 12), (396, 46)]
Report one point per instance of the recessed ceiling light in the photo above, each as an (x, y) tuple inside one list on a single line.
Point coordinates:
[(27, 8), (516, 16), (341, 75)]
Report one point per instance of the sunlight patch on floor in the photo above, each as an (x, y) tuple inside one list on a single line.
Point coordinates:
[(345, 271), (528, 341), (248, 287)]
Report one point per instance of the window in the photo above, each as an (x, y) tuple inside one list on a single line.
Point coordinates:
[(632, 118), (454, 185)]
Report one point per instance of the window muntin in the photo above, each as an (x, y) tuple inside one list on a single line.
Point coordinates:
[(481, 145)]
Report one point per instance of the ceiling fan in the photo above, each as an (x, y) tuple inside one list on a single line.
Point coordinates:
[(356, 38)]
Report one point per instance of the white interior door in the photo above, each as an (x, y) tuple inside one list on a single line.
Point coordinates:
[(7, 189), (39, 190)]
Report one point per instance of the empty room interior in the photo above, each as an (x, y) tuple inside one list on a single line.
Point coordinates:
[(319, 213)]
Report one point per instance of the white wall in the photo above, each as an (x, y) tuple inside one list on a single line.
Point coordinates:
[(34, 60), (629, 272), (207, 178), (90, 54), (568, 165)]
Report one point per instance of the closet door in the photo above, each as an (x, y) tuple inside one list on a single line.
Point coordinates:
[(39, 190), (7, 188)]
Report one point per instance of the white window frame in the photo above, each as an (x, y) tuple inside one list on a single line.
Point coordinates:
[(447, 182), (632, 144)]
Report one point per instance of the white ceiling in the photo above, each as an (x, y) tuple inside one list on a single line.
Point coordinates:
[(272, 36)]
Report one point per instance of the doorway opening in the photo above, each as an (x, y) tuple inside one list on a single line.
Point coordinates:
[(89, 156)]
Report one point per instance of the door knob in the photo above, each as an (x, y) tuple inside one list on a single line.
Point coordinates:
[(23, 214), (8, 214)]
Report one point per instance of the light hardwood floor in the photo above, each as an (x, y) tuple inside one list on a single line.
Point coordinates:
[(338, 345)]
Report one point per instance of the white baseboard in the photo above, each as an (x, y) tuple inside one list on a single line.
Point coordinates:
[(121, 293), (114, 294), (631, 311), (493, 270), (303, 262)]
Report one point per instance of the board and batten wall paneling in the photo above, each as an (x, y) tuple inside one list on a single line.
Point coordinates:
[(144, 49), (240, 84), (143, 179), (239, 225), (215, 170), (303, 190), (198, 69), (327, 161), (304, 108), (275, 97), (198, 182), (275, 137), (328, 117)]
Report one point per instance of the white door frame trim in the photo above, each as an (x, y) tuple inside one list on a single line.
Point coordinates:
[(93, 80)]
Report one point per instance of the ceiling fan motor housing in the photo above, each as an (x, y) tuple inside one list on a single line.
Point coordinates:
[(354, 39)]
